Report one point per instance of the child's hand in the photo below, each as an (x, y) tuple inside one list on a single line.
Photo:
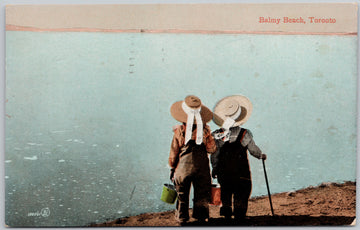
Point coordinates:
[(172, 171), (263, 156)]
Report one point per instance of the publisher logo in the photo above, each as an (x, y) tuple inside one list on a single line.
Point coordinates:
[(45, 212)]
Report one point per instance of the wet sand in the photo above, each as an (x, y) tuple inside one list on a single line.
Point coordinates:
[(329, 204)]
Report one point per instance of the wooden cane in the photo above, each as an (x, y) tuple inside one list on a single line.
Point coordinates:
[(267, 185)]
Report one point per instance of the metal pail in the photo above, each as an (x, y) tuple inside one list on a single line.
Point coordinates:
[(169, 194), (215, 194)]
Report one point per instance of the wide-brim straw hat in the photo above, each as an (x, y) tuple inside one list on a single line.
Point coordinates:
[(229, 106), (194, 102)]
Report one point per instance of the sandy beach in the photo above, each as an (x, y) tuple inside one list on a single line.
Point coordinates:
[(329, 204)]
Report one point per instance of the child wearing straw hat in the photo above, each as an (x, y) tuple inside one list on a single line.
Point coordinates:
[(230, 162), (188, 159)]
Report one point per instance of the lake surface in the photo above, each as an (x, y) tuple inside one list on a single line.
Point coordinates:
[(88, 127)]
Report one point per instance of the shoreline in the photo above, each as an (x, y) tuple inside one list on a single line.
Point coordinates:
[(329, 204)]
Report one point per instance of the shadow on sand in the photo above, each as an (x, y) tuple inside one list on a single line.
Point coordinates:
[(278, 221)]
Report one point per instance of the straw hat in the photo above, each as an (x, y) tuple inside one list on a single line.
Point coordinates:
[(229, 107), (193, 102)]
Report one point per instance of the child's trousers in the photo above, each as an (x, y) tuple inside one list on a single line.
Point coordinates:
[(193, 169), (236, 192)]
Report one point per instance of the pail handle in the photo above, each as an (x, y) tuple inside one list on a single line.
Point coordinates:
[(172, 183)]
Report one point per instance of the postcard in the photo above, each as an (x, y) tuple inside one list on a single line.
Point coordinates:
[(200, 114)]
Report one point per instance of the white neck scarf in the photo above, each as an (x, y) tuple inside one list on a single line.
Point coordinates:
[(227, 124), (191, 114)]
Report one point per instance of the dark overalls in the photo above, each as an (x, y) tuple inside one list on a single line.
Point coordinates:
[(234, 176), (193, 168)]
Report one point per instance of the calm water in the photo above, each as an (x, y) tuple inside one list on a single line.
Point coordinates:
[(88, 127)]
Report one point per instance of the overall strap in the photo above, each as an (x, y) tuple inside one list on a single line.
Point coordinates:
[(241, 135)]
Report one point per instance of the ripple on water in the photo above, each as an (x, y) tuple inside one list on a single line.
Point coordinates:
[(33, 158)]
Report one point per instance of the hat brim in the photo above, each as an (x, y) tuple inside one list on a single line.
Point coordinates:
[(246, 109), (178, 113)]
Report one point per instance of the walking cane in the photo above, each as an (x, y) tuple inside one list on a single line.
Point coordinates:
[(267, 185)]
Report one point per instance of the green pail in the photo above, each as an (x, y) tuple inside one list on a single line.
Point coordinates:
[(169, 194)]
